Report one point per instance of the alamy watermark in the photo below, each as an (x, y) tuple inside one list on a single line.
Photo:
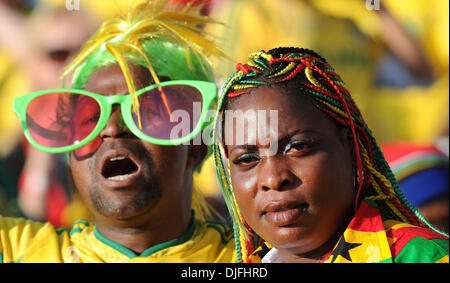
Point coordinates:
[(73, 5), (373, 5), (251, 127)]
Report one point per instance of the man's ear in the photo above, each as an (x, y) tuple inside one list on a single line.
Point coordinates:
[(196, 155)]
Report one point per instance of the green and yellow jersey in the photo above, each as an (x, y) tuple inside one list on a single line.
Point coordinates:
[(26, 241)]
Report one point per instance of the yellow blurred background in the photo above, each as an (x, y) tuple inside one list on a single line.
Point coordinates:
[(393, 61)]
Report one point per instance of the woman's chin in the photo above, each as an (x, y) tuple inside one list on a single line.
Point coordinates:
[(290, 237)]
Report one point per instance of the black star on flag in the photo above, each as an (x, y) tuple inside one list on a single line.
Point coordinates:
[(262, 251), (342, 249)]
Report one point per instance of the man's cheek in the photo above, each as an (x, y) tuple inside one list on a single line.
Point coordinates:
[(80, 174), (88, 149)]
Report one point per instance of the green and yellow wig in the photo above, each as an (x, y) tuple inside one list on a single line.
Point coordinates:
[(313, 76), (166, 38)]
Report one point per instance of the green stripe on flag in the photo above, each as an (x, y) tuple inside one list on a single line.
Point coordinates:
[(421, 250)]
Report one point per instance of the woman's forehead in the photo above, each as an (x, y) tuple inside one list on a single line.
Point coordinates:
[(289, 105), (273, 112)]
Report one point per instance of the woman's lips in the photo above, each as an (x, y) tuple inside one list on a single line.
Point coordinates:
[(283, 214)]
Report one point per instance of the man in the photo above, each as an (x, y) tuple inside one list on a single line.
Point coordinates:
[(131, 167)]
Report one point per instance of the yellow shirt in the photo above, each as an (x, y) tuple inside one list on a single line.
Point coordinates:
[(13, 83), (27, 241)]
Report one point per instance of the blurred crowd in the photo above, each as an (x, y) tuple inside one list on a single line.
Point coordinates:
[(393, 58)]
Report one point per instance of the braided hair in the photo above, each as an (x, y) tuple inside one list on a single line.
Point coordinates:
[(314, 77)]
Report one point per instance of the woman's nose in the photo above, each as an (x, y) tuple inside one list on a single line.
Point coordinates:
[(275, 174)]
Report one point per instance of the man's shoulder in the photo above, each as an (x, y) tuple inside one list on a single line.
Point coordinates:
[(20, 238), (410, 243), (17, 228)]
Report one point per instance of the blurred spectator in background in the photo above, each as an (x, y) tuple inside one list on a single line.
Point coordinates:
[(394, 59), (21, 6), (8, 192), (422, 172), (39, 44)]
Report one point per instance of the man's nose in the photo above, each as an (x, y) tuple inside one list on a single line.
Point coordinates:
[(274, 174), (116, 127)]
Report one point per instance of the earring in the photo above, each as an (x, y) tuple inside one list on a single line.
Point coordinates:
[(355, 177)]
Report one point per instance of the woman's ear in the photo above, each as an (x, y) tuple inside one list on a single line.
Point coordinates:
[(348, 140)]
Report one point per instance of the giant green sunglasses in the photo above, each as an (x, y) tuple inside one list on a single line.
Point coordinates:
[(62, 120)]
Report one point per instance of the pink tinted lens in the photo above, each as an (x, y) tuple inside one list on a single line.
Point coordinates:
[(61, 119), (169, 112)]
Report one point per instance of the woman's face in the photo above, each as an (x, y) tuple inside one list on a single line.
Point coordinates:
[(301, 195)]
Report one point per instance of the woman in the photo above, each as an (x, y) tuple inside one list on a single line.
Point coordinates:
[(315, 185)]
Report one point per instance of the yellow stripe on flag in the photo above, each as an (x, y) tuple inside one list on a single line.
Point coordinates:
[(443, 260), (374, 247)]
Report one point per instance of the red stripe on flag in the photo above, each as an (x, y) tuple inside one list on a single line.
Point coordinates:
[(367, 219)]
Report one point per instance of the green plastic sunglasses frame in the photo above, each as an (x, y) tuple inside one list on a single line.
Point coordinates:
[(208, 91)]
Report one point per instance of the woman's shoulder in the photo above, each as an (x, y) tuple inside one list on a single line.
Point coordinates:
[(409, 243)]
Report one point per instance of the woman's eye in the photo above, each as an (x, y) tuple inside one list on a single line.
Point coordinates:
[(245, 159), (298, 146)]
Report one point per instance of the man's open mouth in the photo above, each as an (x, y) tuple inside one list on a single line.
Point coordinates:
[(119, 168)]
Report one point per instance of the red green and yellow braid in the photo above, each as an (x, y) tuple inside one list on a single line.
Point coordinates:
[(315, 77)]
